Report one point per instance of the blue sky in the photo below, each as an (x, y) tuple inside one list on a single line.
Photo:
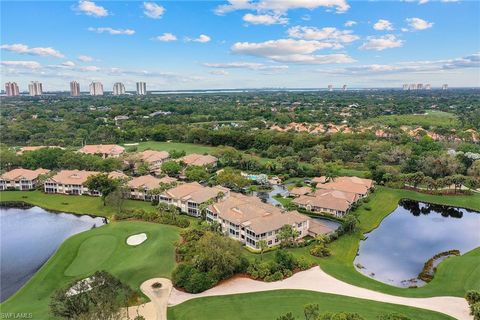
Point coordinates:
[(241, 43)]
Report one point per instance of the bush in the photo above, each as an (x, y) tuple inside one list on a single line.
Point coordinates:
[(475, 310), (472, 296), (320, 250), (199, 281), (392, 316), (303, 264), (156, 285), (340, 316)]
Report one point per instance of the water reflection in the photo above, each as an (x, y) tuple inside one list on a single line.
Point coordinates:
[(395, 252), (28, 237)]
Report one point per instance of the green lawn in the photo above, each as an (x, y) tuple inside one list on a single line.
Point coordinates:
[(103, 248), (271, 304), (430, 119), (454, 276), (68, 203), (169, 146)]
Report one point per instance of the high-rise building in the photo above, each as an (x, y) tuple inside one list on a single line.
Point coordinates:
[(74, 88), (118, 89), (96, 88), (428, 86), (35, 88), (11, 89), (405, 86), (445, 87), (344, 88), (412, 86), (141, 88), (330, 87)]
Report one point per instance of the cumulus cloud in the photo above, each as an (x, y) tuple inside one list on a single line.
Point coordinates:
[(281, 6), (424, 66), (218, 72), (245, 65), (68, 64), (291, 50), (109, 30), (383, 24), (381, 43), (36, 51), (266, 19), (89, 68), (418, 24), (22, 64), (91, 9), (203, 38), (85, 58), (328, 34), (153, 10), (166, 37), (350, 23)]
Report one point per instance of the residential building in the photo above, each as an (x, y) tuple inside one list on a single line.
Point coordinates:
[(405, 87), (199, 160), (445, 86), (330, 87), (73, 182), (154, 159), (74, 89), (21, 179), (118, 89), (356, 185), (188, 197), (35, 88), (344, 87), (96, 88), (11, 89), (428, 86), (249, 220), (300, 191), (333, 202), (141, 88), (103, 150), (141, 187)]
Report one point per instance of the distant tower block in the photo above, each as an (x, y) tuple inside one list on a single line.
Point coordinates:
[(445, 86), (330, 87), (428, 86), (412, 86), (405, 86), (419, 86), (344, 87)]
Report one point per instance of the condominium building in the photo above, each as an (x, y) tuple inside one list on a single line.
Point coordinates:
[(200, 160), (73, 182), (96, 88), (355, 185), (344, 87), (118, 89), (330, 87), (103, 150), (141, 188), (74, 88), (333, 202), (428, 86), (141, 88), (445, 86), (249, 220), (188, 197), (153, 159), (11, 89), (21, 179), (35, 88), (405, 86)]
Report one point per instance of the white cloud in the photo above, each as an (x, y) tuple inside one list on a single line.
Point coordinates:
[(246, 65), (471, 61), (281, 6), (91, 9), (328, 34), (166, 37), (68, 64), (291, 50), (306, 17), (89, 68), (85, 58), (153, 10), (381, 43), (350, 23), (422, 1), (36, 51), (383, 24), (109, 30), (218, 72), (203, 38), (418, 24), (266, 19), (21, 64)]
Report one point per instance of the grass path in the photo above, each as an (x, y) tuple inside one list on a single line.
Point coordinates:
[(103, 248), (179, 146), (271, 304)]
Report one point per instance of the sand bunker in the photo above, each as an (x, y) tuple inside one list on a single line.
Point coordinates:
[(136, 239)]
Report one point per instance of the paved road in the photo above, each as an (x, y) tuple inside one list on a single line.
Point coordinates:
[(156, 309), (317, 280)]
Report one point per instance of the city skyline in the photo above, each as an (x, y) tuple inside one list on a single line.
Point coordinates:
[(241, 44)]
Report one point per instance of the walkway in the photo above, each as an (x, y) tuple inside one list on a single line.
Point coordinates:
[(156, 309), (317, 280)]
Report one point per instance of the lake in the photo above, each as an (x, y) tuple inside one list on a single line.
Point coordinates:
[(28, 237), (396, 251)]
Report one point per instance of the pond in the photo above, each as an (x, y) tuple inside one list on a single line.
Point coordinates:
[(396, 251), (28, 237)]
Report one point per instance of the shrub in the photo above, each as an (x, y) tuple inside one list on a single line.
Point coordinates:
[(303, 264), (472, 296), (392, 316), (340, 316), (475, 310), (156, 285), (199, 281), (285, 259), (320, 250)]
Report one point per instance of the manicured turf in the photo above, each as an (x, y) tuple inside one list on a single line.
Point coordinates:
[(169, 146), (454, 276), (67, 203), (82, 254), (431, 119), (271, 304)]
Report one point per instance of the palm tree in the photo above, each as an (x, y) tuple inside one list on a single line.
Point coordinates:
[(262, 244)]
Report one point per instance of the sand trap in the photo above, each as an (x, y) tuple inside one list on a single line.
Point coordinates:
[(136, 239)]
